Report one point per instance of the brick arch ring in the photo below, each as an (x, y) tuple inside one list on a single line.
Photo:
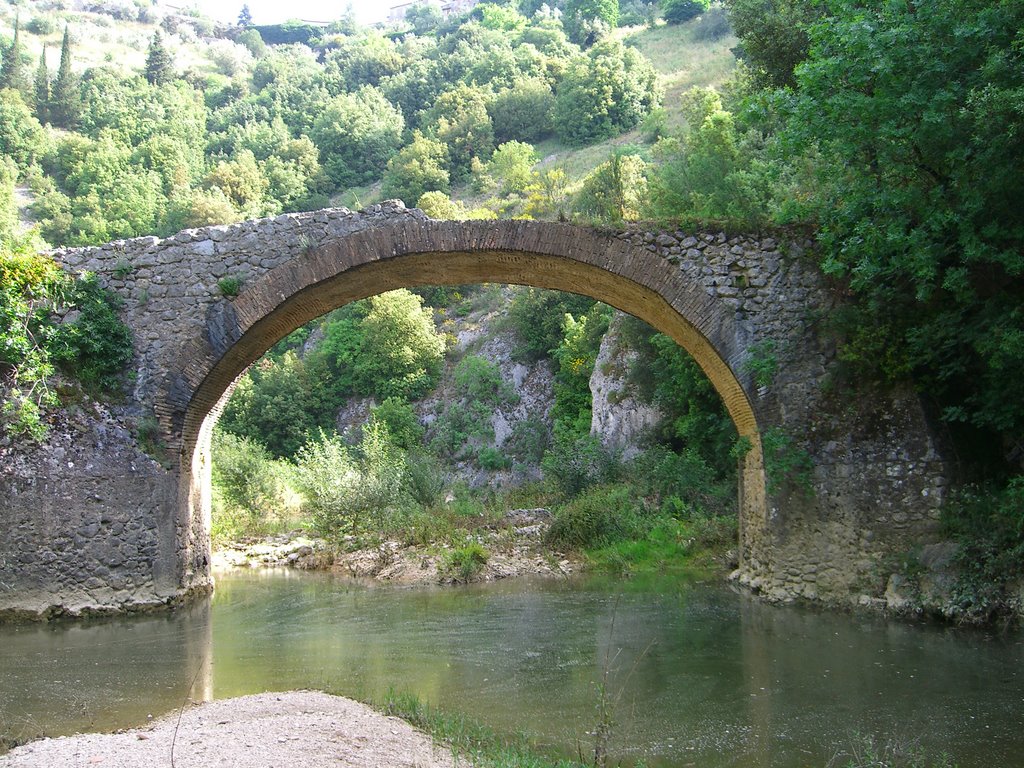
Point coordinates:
[(414, 251)]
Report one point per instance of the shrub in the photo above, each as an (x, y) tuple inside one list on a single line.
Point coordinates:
[(988, 524), (41, 25), (248, 491), (491, 458), (573, 464), (681, 11), (400, 420), (462, 563), (523, 112), (712, 25), (528, 441), (229, 286), (602, 515), (605, 92), (357, 134), (352, 491), (49, 318)]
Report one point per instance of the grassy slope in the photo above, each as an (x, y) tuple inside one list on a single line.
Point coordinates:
[(98, 40)]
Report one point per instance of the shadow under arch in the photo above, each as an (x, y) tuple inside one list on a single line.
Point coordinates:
[(414, 252)]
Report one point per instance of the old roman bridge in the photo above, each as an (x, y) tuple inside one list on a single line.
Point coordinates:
[(97, 524)]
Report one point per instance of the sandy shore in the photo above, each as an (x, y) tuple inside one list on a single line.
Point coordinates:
[(268, 730)]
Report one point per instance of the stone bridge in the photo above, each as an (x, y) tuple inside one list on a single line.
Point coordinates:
[(100, 525)]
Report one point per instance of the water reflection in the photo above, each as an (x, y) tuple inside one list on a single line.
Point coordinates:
[(67, 677), (699, 675)]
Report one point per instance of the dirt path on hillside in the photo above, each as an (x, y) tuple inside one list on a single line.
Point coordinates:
[(268, 730)]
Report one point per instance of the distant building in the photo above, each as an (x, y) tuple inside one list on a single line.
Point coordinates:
[(448, 8)]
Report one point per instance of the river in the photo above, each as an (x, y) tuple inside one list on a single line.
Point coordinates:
[(699, 675)]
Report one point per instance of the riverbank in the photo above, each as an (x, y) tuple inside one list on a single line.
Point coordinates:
[(512, 547), (284, 730)]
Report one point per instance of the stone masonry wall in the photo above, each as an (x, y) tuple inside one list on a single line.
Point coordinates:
[(117, 529), (86, 521), (877, 480)]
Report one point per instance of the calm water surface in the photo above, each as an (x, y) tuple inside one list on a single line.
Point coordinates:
[(701, 676)]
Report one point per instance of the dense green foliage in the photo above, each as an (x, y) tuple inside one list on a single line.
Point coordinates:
[(920, 209), (51, 321), (681, 11), (385, 347), (604, 93), (280, 118)]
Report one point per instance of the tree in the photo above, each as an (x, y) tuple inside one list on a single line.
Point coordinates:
[(510, 166), (605, 92), (159, 62), (42, 89), (12, 68), (460, 121), (357, 134), (773, 35), (65, 99), (681, 11), (713, 171), (245, 17), (523, 112), (425, 17), (242, 182), (401, 351), (417, 168), (914, 111), (580, 15), (615, 191), (271, 405), (22, 138)]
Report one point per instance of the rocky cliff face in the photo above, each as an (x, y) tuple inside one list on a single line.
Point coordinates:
[(620, 418), (531, 395)]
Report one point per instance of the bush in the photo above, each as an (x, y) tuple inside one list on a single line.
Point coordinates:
[(400, 420), (681, 11), (604, 93), (988, 524), (357, 134), (352, 491), (41, 25), (247, 486), (49, 318), (462, 563), (416, 169), (528, 441), (602, 515), (573, 464), (492, 459), (712, 25), (523, 112)]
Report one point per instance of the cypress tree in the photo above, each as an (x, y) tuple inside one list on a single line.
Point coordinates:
[(65, 100), (159, 62), (42, 89), (245, 16), (12, 70)]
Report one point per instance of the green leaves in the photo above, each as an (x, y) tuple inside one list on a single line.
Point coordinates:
[(917, 114)]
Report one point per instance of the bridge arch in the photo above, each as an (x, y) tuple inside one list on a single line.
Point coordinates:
[(413, 251)]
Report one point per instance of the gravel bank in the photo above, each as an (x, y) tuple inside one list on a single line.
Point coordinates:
[(268, 730)]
